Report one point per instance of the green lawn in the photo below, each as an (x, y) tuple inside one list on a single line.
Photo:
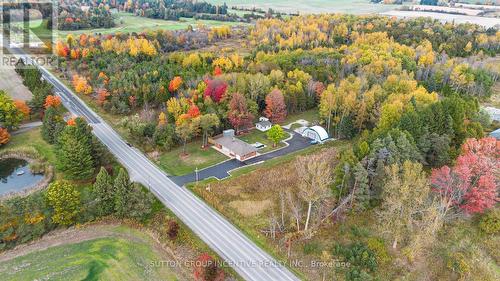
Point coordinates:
[(32, 138), (310, 115), (175, 164), (258, 136), (110, 258), (126, 22)]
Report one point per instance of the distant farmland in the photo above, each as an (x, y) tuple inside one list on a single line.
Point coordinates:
[(311, 6)]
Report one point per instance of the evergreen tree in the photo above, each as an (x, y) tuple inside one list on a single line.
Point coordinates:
[(52, 125), (361, 191), (74, 152), (139, 203), (104, 192), (122, 193)]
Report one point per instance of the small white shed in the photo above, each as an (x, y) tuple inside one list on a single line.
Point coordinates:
[(264, 124)]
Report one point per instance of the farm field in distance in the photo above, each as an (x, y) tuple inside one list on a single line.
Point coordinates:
[(313, 6)]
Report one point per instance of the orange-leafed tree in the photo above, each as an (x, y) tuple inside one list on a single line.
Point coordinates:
[(75, 54), (83, 40), (102, 95), (81, 85), (275, 106), (71, 121), (175, 84), (193, 111), (4, 136), (21, 105), (62, 49), (51, 100)]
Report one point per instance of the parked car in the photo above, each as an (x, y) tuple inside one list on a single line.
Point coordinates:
[(313, 142)]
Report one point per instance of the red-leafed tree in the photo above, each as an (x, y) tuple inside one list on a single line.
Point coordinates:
[(217, 71), (471, 185), (206, 269), (239, 115), (216, 89), (275, 106)]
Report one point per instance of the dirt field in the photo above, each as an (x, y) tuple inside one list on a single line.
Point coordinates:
[(11, 83)]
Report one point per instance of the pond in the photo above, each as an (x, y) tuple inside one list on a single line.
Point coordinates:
[(15, 175)]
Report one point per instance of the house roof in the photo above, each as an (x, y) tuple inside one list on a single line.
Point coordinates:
[(264, 123), (323, 135), (236, 145)]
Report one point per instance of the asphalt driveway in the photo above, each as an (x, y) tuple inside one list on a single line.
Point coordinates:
[(221, 170)]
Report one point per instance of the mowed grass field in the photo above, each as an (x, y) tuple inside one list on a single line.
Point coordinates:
[(127, 23), (107, 258), (310, 6)]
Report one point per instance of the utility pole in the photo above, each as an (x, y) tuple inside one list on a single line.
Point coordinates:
[(196, 174)]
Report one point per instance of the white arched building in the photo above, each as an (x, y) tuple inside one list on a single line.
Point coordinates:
[(316, 133)]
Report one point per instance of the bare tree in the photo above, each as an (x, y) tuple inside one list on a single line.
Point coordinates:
[(315, 175), (295, 208)]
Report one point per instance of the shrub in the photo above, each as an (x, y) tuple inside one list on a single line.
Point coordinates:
[(490, 222), (173, 229), (378, 247), (362, 259), (311, 248), (457, 262)]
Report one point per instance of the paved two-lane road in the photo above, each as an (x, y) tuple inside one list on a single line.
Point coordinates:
[(248, 260)]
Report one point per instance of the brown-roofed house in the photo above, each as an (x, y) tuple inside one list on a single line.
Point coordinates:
[(234, 147)]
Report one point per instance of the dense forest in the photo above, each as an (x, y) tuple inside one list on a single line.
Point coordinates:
[(72, 16), (404, 96)]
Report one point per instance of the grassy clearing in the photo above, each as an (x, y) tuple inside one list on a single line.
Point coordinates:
[(32, 138), (176, 164), (127, 23), (109, 258), (310, 115)]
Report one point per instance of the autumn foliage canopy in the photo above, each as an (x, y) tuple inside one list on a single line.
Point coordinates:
[(206, 269), (472, 183), (275, 107), (53, 101), (174, 84), (216, 89)]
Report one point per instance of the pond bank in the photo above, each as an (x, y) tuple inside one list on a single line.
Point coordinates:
[(48, 173)]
